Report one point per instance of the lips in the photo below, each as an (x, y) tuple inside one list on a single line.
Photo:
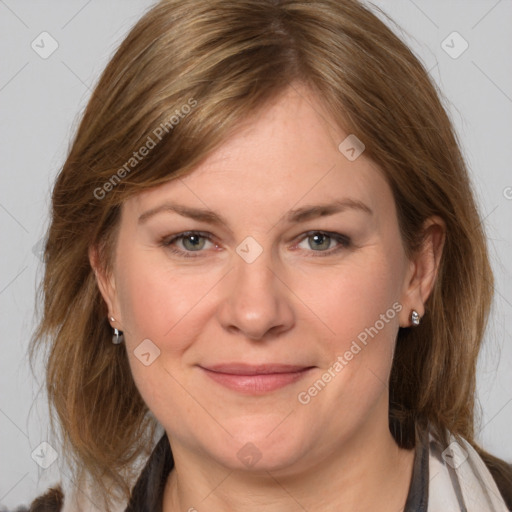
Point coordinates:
[(249, 369), (255, 379)]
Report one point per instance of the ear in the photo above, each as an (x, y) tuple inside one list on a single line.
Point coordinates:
[(423, 268), (107, 287)]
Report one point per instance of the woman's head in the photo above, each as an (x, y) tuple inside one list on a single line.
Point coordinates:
[(248, 109), (295, 254)]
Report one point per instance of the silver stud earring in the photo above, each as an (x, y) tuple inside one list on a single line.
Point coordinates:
[(415, 318)]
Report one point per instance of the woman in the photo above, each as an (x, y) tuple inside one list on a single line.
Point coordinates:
[(266, 272)]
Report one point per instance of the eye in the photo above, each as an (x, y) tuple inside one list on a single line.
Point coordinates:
[(191, 241), (322, 242)]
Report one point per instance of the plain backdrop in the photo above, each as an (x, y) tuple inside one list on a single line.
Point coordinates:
[(41, 100)]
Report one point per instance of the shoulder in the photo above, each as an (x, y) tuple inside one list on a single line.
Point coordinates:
[(83, 497), (472, 475), (51, 501), (501, 472)]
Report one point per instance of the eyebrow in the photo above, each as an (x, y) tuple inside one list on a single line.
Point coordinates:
[(297, 215)]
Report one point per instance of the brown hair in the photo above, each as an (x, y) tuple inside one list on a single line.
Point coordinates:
[(225, 59)]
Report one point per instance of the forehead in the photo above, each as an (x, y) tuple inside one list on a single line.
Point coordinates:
[(285, 155)]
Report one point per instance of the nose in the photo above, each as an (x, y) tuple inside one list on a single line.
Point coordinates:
[(257, 301)]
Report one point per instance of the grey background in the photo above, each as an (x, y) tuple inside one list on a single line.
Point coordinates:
[(41, 101)]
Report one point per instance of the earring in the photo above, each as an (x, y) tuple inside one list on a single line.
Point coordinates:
[(415, 318), (117, 337)]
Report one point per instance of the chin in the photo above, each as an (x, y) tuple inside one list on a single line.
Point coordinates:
[(259, 446)]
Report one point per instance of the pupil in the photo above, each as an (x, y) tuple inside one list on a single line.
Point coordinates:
[(193, 241), (319, 238)]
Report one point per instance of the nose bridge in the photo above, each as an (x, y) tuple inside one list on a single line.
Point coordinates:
[(256, 301), (253, 264), (254, 282)]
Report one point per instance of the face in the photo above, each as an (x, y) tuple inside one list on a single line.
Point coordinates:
[(260, 296)]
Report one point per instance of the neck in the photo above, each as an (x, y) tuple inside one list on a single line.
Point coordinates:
[(369, 472)]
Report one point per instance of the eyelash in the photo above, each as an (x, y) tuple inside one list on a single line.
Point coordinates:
[(343, 240)]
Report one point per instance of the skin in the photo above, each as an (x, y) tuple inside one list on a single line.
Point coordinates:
[(300, 302)]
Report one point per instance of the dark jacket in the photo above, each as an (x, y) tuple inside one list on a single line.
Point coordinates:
[(147, 494)]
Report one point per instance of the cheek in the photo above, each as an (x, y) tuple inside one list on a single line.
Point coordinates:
[(156, 301), (361, 307), (164, 307), (357, 297)]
